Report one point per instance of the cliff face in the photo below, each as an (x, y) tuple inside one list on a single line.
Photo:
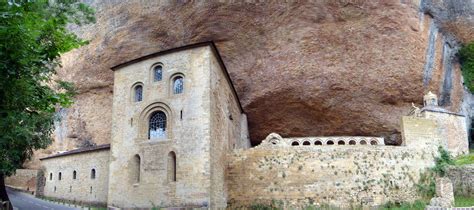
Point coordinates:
[(300, 69)]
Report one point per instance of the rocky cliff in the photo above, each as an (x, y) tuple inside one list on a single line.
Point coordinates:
[(300, 69)]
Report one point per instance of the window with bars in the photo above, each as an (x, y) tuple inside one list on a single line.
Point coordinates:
[(157, 73), (178, 85), (138, 93), (157, 125)]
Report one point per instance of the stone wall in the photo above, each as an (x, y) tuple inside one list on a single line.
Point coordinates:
[(463, 179), (203, 124), (23, 179), (84, 188), (226, 130), (187, 135), (452, 131), (337, 175)]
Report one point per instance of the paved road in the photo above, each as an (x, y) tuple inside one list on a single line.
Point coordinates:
[(24, 201)]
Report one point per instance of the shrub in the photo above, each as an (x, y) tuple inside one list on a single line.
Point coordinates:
[(466, 55)]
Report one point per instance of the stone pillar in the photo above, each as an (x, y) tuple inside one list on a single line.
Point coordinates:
[(444, 193)]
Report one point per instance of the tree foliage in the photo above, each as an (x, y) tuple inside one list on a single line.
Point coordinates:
[(466, 54), (33, 35)]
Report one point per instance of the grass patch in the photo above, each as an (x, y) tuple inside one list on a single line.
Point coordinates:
[(417, 205), (465, 159), (460, 201)]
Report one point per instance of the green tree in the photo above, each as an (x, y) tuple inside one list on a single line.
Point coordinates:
[(466, 54), (33, 35)]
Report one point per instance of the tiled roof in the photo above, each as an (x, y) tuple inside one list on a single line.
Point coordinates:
[(80, 150)]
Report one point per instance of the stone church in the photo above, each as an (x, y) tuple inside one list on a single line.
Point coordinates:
[(180, 139), (175, 117)]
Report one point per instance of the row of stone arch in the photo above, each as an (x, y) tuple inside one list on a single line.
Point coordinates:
[(334, 142)]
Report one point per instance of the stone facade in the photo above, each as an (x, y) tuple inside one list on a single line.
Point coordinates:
[(180, 139), (78, 182), (204, 122)]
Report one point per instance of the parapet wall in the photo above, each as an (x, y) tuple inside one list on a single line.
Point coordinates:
[(337, 175)]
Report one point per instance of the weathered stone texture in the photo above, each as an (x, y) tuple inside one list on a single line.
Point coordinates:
[(319, 67), (452, 130), (463, 180), (23, 179), (226, 122), (200, 137), (83, 189), (349, 175), (444, 193)]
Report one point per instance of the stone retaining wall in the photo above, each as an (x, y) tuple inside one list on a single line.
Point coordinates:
[(463, 179), (337, 175)]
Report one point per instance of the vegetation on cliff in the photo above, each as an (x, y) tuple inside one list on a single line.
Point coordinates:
[(466, 55), (33, 35)]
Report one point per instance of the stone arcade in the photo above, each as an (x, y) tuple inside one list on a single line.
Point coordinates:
[(180, 138)]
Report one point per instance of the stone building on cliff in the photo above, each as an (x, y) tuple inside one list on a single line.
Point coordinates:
[(180, 138)]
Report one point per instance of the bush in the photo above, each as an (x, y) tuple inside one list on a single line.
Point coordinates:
[(466, 55)]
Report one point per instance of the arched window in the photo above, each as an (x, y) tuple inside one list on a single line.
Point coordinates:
[(352, 142), (330, 142), (295, 143), (306, 143), (373, 142), (74, 174), (363, 142), (59, 176), (178, 85), (50, 176), (93, 174), (341, 142), (136, 168), (171, 167), (157, 73), (157, 125), (318, 143), (138, 93)]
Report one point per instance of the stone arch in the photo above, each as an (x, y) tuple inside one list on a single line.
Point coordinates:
[(172, 80), (153, 70), (147, 112), (133, 91), (273, 139)]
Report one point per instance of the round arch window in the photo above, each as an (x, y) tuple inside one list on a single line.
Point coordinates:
[(157, 125)]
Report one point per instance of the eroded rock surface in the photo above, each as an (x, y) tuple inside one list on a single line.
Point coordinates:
[(300, 69)]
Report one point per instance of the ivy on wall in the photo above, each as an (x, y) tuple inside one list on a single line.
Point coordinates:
[(466, 55)]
